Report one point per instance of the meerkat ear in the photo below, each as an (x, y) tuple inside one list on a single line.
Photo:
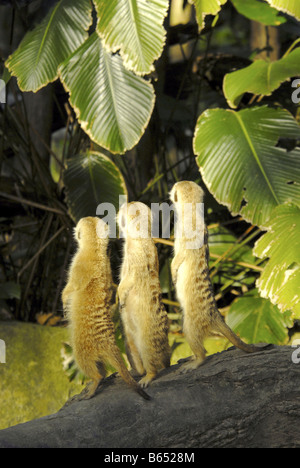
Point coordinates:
[(175, 196)]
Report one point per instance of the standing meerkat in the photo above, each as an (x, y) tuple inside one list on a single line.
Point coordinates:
[(143, 314), (87, 300), (190, 274)]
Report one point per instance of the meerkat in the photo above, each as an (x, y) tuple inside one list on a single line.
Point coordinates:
[(87, 300), (190, 275), (143, 314)]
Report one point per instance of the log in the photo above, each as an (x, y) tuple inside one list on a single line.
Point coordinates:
[(234, 400)]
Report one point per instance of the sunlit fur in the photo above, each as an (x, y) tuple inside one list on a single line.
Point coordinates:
[(87, 300), (190, 274), (143, 314)]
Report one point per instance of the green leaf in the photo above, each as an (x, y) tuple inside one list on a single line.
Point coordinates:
[(241, 164), (181, 348), (135, 28), (10, 290), (206, 7), (257, 320), (261, 77), (259, 11), (221, 240), (91, 179), (62, 31), (224, 244), (291, 7), (280, 280), (6, 76), (112, 104)]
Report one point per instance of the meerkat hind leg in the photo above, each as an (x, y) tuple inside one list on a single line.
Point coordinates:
[(91, 388), (145, 381), (134, 357), (196, 360), (196, 343), (194, 363)]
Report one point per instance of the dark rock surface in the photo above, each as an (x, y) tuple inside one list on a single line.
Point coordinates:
[(234, 400)]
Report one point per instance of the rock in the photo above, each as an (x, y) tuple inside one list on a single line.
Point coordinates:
[(234, 400), (33, 382)]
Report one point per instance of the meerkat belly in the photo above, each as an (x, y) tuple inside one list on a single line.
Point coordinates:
[(133, 313), (182, 285), (132, 309), (141, 309)]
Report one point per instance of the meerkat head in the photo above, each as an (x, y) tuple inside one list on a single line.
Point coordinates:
[(186, 191), (187, 197), (90, 230), (134, 220)]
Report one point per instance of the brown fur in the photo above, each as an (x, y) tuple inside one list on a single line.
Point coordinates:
[(87, 299), (190, 273), (143, 314)]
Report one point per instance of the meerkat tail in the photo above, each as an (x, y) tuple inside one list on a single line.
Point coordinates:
[(235, 340), (117, 362)]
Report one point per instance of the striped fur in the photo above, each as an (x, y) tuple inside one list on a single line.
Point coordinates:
[(87, 300), (190, 273), (143, 314)]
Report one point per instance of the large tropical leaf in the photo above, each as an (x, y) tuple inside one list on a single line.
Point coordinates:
[(62, 31), (6, 76), (261, 77), (259, 11), (113, 105), (280, 280), (241, 164), (91, 179), (181, 348), (135, 28), (292, 7), (257, 320), (2, 92), (206, 7), (10, 290)]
